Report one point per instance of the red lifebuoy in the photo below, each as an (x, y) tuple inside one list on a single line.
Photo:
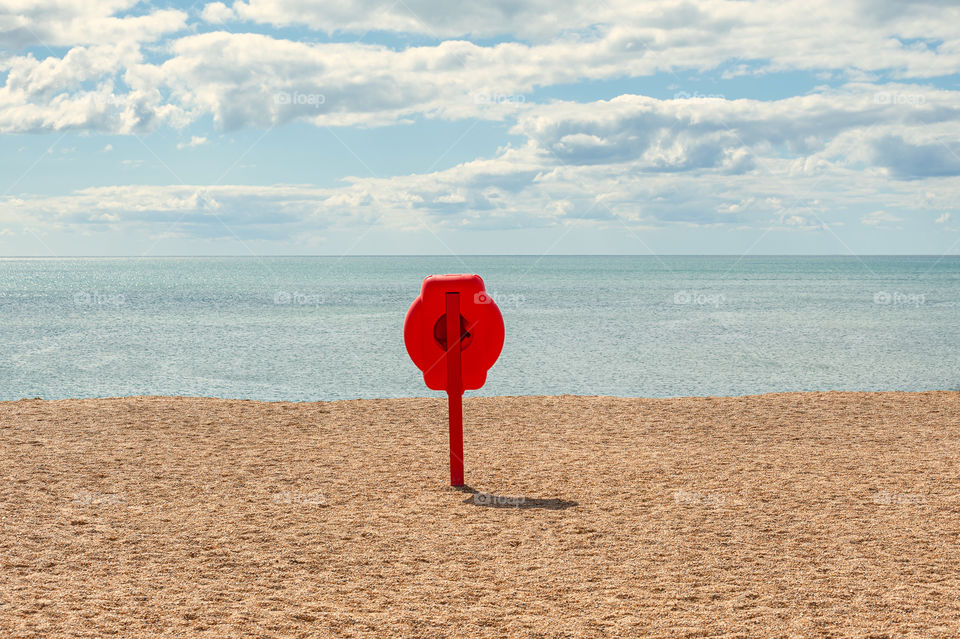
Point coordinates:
[(481, 330)]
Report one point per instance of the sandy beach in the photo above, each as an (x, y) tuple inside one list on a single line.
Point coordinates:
[(785, 515)]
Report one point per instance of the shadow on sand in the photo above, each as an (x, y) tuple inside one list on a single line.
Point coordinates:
[(490, 500)]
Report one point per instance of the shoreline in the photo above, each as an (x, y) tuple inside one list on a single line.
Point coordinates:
[(467, 396)]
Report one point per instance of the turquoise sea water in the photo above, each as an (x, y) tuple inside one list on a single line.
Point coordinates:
[(319, 328)]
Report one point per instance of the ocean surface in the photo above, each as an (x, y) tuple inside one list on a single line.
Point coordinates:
[(327, 328)]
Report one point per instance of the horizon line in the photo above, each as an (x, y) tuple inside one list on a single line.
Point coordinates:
[(538, 255)]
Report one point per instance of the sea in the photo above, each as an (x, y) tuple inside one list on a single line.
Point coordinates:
[(330, 328)]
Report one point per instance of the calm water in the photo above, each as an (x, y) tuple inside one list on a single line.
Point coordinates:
[(330, 328)]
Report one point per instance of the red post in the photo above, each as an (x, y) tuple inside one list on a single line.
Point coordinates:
[(454, 388)]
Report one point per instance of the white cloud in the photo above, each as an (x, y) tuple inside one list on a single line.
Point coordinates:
[(669, 34), (795, 220), (218, 13), (181, 210), (534, 18), (859, 34), (57, 23), (54, 94), (943, 219), (518, 188), (261, 81), (906, 159), (837, 127), (880, 218), (246, 79), (194, 141)]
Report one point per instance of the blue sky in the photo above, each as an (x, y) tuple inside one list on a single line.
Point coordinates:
[(419, 126)]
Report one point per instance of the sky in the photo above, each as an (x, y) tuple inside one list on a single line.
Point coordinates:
[(276, 127)]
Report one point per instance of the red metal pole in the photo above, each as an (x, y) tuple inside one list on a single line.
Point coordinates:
[(454, 389)]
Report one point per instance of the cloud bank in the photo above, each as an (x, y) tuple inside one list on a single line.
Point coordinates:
[(880, 134)]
